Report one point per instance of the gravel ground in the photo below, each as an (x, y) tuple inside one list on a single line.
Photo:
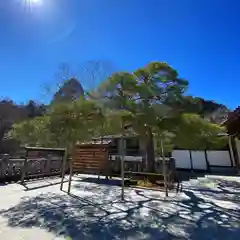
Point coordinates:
[(208, 208)]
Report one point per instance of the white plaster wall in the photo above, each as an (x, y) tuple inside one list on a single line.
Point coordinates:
[(219, 158), (182, 158), (199, 160)]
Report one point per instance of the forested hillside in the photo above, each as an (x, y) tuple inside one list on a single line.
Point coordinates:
[(152, 100)]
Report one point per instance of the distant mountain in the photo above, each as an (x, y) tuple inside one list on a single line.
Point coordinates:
[(69, 91), (214, 112)]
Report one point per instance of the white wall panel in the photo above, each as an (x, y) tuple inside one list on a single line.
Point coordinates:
[(182, 158), (199, 160), (219, 158)]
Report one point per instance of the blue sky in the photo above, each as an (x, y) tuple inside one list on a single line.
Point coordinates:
[(199, 38)]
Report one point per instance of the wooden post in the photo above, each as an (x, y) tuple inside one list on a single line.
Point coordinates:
[(237, 155), (3, 165), (207, 162), (24, 170), (63, 168), (231, 149), (1, 169), (70, 177), (164, 169), (122, 161), (191, 162), (10, 169), (48, 166)]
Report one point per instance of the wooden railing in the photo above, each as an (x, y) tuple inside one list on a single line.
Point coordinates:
[(136, 164), (12, 169), (32, 162), (20, 168)]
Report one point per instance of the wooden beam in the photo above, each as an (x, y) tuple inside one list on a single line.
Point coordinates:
[(45, 149), (70, 177), (63, 168), (144, 173), (24, 171)]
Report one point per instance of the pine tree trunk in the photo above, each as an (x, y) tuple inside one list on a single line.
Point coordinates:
[(150, 151)]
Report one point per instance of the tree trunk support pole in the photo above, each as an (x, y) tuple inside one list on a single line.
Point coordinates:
[(24, 172), (64, 162), (122, 161), (164, 169), (70, 177)]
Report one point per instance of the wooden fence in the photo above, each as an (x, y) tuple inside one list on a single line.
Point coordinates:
[(31, 163), (137, 164), (12, 169), (40, 163), (91, 158)]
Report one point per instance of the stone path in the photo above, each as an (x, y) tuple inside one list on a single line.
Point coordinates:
[(208, 208)]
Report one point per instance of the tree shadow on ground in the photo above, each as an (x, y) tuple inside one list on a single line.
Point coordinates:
[(3, 184), (213, 220), (42, 183), (228, 186), (95, 212), (227, 190), (111, 182), (127, 183)]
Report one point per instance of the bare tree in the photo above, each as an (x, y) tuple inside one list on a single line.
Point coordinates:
[(88, 74), (93, 72), (64, 72)]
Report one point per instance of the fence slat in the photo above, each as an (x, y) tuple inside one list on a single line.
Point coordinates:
[(4, 165)]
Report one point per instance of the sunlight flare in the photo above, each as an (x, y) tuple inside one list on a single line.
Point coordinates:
[(32, 3)]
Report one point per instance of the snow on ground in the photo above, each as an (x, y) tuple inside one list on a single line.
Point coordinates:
[(208, 208)]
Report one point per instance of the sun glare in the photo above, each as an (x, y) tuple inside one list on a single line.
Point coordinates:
[(30, 5), (33, 2)]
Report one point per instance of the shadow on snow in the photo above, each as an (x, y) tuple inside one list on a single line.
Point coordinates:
[(97, 213)]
